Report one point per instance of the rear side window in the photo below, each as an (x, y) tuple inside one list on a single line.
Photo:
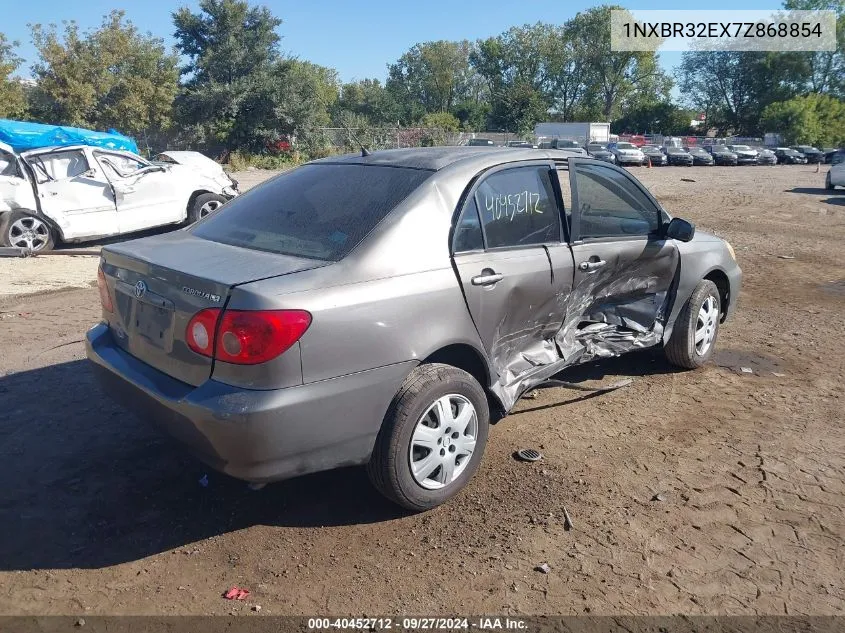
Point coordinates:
[(518, 207), (60, 165), (315, 211), (468, 236)]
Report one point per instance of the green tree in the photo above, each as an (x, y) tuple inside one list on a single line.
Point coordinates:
[(369, 99), (516, 67), (661, 118), (732, 87), (12, 97), (442, 120), (324, 82), (234, 94), (111, 77), (431, 77), (474, 114), (819, 71), (613, 78), (813, 119)]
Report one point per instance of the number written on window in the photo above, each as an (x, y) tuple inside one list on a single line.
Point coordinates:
[(518, 207)]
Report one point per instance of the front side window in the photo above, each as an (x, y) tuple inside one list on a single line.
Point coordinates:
[(518, 207), (319, 211), (120, 165), (611, 205)]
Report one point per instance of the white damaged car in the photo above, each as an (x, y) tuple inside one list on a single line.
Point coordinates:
[(79, 192)]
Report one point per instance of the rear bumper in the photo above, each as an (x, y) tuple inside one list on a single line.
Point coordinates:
[(254, 435)]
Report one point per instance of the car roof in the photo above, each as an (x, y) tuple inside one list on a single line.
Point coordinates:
[(437, 158), (72, 148)]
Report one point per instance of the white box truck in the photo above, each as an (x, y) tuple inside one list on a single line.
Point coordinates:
[(583, 133)]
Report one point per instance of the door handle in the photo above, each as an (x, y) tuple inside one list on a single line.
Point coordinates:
[(590, 266), (487, 279)]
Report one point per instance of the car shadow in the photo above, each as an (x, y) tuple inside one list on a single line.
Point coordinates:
[(96, 245), (632, 365), (813, 191), (88, 485)]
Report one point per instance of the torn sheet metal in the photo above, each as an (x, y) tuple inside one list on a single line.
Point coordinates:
[(617, 310)]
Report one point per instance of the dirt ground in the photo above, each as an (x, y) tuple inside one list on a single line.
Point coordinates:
[(711, 491)]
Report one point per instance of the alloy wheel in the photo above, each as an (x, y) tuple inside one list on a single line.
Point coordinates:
[(30, 233), (443, 441), (208, 207), (706, 324)]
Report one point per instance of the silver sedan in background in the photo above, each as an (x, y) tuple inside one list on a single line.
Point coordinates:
[(385, 308)]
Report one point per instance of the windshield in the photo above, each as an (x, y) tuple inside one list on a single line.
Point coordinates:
[(743, 148), (696, 150), (567, 144), (675, 150), (316, 211), (625, 146), (595, 147)]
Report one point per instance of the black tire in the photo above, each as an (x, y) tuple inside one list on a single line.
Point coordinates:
[(11, 236), (390, 465), (827, 182), (196, 211), (681, 350)]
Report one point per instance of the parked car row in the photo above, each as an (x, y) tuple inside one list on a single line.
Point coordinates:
[(672, 153)]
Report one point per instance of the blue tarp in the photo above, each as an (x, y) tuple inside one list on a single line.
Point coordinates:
[(22, 136)]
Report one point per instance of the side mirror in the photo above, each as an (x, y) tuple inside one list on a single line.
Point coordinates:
[(681, 230)]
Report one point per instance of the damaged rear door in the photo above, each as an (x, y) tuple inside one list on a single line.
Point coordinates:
[(624, 266), (508, 222)]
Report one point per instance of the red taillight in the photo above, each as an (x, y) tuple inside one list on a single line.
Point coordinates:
[(105, 297), (245, 337), (200, 332)]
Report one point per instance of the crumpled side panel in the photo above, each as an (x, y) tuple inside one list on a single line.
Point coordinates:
[(598, 323), (530, 342)]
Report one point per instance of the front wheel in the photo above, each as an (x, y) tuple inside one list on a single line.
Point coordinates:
[(828, 183), (23, 229), (432, 438), (694, 337), (204, 204)]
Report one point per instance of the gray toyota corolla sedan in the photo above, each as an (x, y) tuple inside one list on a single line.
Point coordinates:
[(379, 309)]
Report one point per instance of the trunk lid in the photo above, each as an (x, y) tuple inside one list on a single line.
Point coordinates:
[(159, 283)]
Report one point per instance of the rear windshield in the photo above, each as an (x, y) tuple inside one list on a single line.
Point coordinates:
[(314, 211)]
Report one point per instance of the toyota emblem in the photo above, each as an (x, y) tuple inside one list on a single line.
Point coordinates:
[(140, 289)]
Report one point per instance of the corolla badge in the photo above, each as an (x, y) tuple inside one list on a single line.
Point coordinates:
[(140, 289), (202, 294)]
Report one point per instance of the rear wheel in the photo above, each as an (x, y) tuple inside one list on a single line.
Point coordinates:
[(694, 337), (432, 438), (204, 204), (828, 184), (23, 229)]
